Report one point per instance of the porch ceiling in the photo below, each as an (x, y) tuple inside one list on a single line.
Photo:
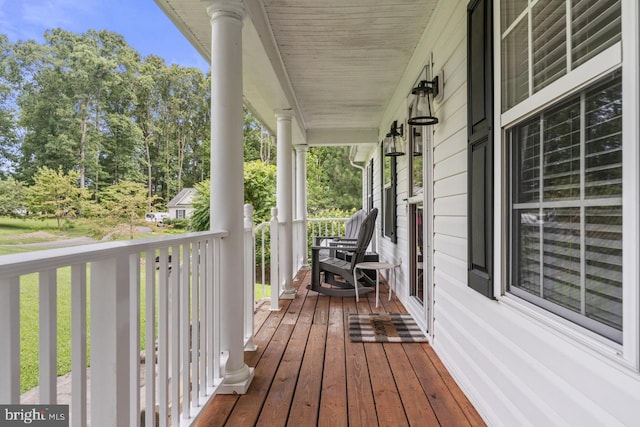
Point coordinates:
[(336, 63)]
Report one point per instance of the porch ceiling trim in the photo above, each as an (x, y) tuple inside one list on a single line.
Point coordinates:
[(341, 136)]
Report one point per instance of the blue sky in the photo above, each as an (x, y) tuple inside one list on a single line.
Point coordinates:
[(141, 22)]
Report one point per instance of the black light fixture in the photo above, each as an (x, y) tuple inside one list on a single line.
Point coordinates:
[(392, 141), (423, 92)]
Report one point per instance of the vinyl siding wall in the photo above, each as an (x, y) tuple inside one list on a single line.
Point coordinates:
[(518, 364)]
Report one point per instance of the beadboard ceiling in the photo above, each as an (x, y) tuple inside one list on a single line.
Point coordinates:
[(336, 63)]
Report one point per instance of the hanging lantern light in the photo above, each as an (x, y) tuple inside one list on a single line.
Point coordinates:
[(393, 140), (423, 92)]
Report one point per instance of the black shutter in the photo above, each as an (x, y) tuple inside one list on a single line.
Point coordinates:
[(480, 149)]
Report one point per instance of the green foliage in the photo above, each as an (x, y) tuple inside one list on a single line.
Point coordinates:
[(89, 103), (55, 194), (200, 218), (177, 223), (11, 197), (8, 113), (331, 180), (259, 191), (126, 200), (257, 141)]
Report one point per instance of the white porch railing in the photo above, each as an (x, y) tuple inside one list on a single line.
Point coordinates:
[(326, 227), (180, 316), (304, 235)]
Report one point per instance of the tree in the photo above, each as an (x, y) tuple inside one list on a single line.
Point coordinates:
[(259, 191), (55, 194), (200, 220), (257, 141), (8, 114), (11, 197), (331, 180), (72, 87), (126, 200)]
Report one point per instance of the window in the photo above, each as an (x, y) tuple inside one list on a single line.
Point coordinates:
[(180, 213), (389, 182), (417, 144), (566, 208), (533, 58)]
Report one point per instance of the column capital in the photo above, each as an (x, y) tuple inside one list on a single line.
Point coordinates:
[(234, 8), (284, 114), (301, 147)]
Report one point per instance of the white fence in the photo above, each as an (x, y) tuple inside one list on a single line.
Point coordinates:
[(179, 311), (165, 290), (303, 237)]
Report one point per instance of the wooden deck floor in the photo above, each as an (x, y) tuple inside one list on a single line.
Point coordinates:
[(309, 373)]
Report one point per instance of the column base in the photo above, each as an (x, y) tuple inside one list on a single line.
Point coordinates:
[(237, 382), (305, 267), (288, 294)]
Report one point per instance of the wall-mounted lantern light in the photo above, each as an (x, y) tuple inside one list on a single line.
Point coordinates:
[(422, 116), (393, 141)]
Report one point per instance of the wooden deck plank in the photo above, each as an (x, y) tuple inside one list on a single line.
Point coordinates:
[(217, 411), (465, 405), (333, 401), (388, 405), (264, 335), (306, 400), (416, 404), (308, 372), (444, 406), (361, 406), (278, 401), (249, 406)]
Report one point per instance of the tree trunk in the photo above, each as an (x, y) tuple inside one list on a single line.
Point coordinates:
[(83, 143)]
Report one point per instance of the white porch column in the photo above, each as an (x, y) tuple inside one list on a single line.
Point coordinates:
[(301, 195), (227, 182), (285, 201)]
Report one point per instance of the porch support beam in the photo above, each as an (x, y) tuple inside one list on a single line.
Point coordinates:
[(301, 196), (227, 187), (284, 199)]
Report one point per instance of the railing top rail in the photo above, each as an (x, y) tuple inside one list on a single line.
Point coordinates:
[(260, 226), (30, 262), (327, 219)]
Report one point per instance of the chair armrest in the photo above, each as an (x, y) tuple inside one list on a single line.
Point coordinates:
[(341, 247), (318, 239)]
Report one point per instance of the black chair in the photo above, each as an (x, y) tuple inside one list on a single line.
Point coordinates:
[(339, 272)]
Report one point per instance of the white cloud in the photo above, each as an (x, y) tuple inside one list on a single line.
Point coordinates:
[(55, 13), (29, 19), (7, 24)]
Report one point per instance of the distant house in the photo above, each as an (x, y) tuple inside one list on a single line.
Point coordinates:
[(181, 206)]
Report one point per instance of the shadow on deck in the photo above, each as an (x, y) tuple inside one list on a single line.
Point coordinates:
[(309, 373)]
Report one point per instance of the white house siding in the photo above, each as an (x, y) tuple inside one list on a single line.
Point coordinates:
[(517, 366)]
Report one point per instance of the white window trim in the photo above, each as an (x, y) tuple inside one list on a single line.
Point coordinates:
[(626, 355), (596, 67), (630, 182)]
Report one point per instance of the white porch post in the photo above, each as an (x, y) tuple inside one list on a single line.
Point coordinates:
[(227, 188), (285, 201), (301, 196)]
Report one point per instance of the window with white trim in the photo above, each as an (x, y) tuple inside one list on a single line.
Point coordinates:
[(566, 207), (543, 40), (564, 136)]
